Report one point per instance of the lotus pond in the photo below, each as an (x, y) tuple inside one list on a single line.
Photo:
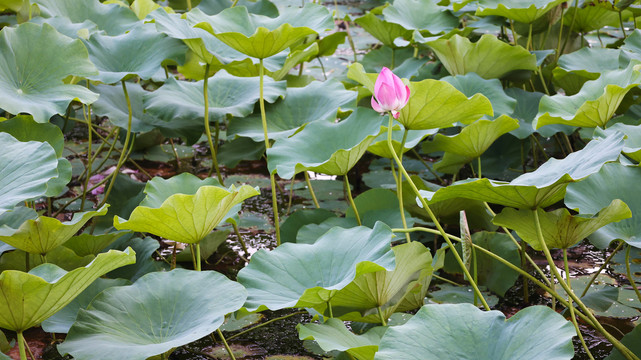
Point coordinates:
[(237, 179)]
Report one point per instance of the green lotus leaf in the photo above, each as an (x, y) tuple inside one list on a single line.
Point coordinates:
[(613, 181), (379, 145), (182, 102), (561, 230), (261, 7), (61, 321), (386, 32), (158, 189), (145, 263), (489, 57), (540, 188), (261, 36), (64, 26), (522, 11), (632, 142), (466, 332), (24, 128), (333, 335), (595, 104), (421, 15), (593, 15), (205, 45), (576, 68), (112, 18), (30, 298), (138, 52), (13, 5), (232, 152), (45, 234), (447, 211), (470, 143), (631, 341), (325, 147), (473, 85), (318, 101), (304, 275), (359, 300), (632, 44), (300, 218), (527, 107), (61, 256), (27, 168), (35, 59), (378, 205), (492, 274), (193, 305), (89, 244), (186, 218), (436, 104)]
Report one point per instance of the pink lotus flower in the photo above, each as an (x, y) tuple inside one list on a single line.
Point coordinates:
[(390, 94)]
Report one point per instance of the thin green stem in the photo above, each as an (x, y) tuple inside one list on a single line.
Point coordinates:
[(272, 179), (558, 42), (381, 316), (351, 41), (621, 22), (567, 37), (173, 149), (513, 32), (445, 280), (431, 214), (87, 115), (311, 190), (265, 323), (351, 199), (622, 348), (529, 46), (229, 351), (479, 165), (198, 260), (21, 343), (322, 67), (291, 195), (420, 158), (212, 148), (571, 307), (188, 5), (329, 308), (605, 263), (240, 238), (123, 154), (234, 3), (399, 188), (629, 273)]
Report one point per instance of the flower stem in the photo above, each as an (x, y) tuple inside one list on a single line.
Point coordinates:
[(229, 351), (431, 214), (622, 348), (21, 348), (87, 116), (212, 149), (399, 188), (380, 315), (351, 200), (629, 273), (272, 178), (605, 263), (311, 190), (124, 152), (571, 307)]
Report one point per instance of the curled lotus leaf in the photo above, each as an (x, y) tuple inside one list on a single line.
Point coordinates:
[(518, 10), (30, 298)]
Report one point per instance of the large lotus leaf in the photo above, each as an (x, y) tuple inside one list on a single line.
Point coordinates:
[(378, 205), (593, 15), (517, 10), (561, 230), (187, 218), (318, 101), (64, 26), (89, 244), (421, 15), (447, 211), (61, 321), (359, 300), (595, 104), (473, 85), (34, 61), (24, 128), (489, 57), (159, 189), (183, 102), (333, 335), (159, 312), (112, 18), (25, 170), (632, 147), (138, 52), (631, 341), (614, 181), (383, 30), (379, 145), (45, 233), (30, 298), (145, 252), (466, 332), (527, 107), (471, 142), (303, 275), (437, 104), (261, 36), (61, 256), (542, 187), (206, 46), (576, 68), (325, 147)]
